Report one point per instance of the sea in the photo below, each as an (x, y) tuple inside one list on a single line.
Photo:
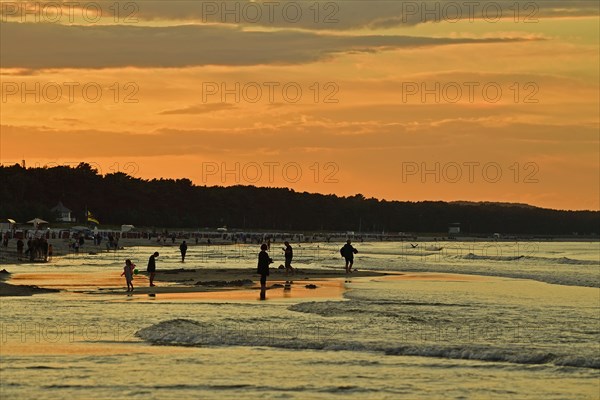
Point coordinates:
[(452, 320)]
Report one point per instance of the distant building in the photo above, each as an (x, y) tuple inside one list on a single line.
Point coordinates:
[(454, 228), (63, 214)]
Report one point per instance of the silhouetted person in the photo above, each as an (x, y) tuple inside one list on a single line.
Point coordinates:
[(152, 267), (289, 254), (183, 250), (348, 252), (45, 249), (263, 269), (29, 250), (20, 246), (128, 272)]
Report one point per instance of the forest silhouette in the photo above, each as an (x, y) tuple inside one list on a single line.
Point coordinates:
[(118, 198)]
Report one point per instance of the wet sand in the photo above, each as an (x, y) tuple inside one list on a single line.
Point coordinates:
[(188, 284), (7, 289), (276, 290), (216, 284)]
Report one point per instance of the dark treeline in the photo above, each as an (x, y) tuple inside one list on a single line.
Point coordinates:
[(121, 199)]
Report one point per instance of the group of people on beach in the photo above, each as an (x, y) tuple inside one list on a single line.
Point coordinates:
[(347, 251), (38, 248), (264, 261)]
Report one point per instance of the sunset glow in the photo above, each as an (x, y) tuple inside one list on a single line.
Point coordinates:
[(353, 97)]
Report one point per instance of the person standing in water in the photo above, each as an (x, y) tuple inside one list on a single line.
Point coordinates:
[(289, 254), (183, 249), (348, 252), (152, 267), (263, 269)]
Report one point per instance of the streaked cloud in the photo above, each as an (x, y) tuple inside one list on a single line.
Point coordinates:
[(48, 46), (199, 109), (447, 136), (309, 15)]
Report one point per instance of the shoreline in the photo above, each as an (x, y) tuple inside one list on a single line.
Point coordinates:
[(209, 282), (61, 248)]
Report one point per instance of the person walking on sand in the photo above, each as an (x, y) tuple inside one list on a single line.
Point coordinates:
[(263, 269), (289, 254), (183, 250), (152, 267), (128, 272), (348, 252)]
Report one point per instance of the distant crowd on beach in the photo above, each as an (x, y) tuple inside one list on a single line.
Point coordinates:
[(38, 249)]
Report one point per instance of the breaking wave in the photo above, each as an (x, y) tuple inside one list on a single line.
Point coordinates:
[(183, 332)]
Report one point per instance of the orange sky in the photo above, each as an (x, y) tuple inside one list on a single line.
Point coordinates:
[(346, 98)]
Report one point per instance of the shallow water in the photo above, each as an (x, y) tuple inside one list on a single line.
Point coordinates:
[(418, 335)]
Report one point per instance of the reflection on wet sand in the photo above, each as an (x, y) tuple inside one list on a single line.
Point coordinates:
[(276, 290), (221, 285)]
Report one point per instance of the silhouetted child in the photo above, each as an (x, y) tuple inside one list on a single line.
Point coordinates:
[(128, 272)]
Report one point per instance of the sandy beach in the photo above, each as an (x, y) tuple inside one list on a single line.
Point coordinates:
[(233, 282), (7, 289)]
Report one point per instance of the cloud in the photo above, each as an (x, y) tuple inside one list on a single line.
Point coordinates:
[(467, 137), (51, 46), (313, 15), (199, 109)]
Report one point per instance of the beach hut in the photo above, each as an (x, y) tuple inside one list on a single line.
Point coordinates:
[(63, 214)]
